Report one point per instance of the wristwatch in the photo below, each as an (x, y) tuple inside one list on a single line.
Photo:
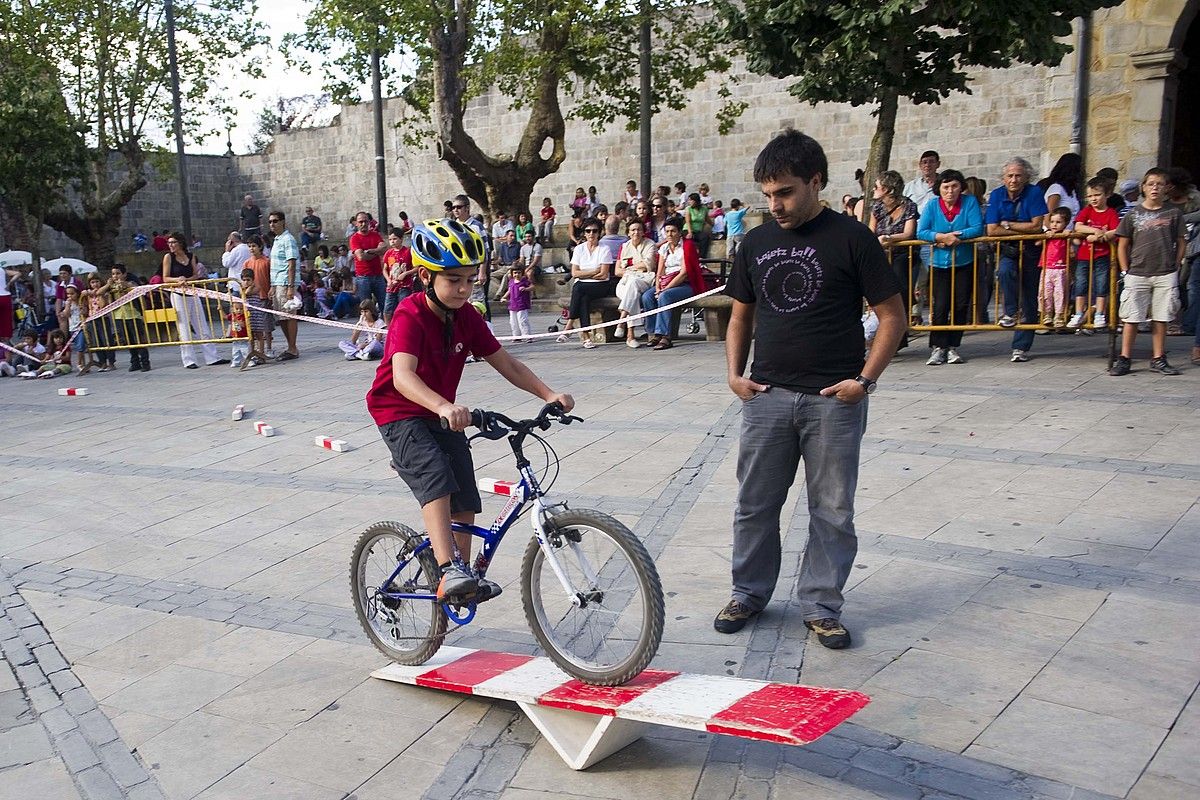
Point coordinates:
[(867, 384)]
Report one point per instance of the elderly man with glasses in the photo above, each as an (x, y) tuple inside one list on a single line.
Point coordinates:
[(285, 255)]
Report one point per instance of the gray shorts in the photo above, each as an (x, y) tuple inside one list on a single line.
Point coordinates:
[(433, 462)]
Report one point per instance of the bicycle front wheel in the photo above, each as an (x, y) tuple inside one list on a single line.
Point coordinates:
[(406, 631), (608, 627)]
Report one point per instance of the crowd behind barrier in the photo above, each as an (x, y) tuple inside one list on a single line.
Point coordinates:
[(968, 260)]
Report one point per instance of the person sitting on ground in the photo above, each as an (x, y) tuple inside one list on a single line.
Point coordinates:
[(1150, 249), (57, 355), (679, 277), (416, 388), (591, 266), (1098, 223), (947, 220), (637, 266), (323, 263), (519, 295), (30, 354), (363, 345), (344, 302)]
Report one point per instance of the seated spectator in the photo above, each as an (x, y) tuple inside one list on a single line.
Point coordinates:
[(524, 225), (658, 219), (32, 353), (679, 277), (546, 230), (308, 292), (706, 199), (717, 220), (311, 228), (56, 354), (591, 266), (894, 219), (947, 220), (580, 201), (593, 202), (632, 195), (323, 263), (637, 266), (501, 226), (343, 301), (158, 242), (364, 345), (531, 258), (680, 194), (575, 230)]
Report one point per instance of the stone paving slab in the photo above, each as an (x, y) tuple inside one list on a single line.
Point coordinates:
[(1026, 586)]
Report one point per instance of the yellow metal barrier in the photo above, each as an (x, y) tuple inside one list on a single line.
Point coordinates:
[(916, 284), (169, 314)]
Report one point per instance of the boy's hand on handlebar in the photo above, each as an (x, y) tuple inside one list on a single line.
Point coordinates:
[(565, 400), (454, 417)]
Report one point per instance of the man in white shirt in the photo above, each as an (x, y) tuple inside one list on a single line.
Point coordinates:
[(501, 227), (236, 254), (920, 188)]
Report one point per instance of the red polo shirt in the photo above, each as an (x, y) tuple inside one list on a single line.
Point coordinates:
[(366, 241)]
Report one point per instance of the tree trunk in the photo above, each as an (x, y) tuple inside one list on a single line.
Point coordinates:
[(97, 223), (880, 156), (503, 182)]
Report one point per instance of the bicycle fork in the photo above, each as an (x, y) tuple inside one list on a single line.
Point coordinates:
[(577, 598)]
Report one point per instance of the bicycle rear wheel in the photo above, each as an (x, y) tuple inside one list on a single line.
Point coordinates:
[(609, 628), (406, 631)]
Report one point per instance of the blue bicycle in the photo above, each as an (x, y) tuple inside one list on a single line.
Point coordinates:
[(590, 592)]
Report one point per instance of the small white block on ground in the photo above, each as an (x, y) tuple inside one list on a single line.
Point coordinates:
[(337, 445), (238, 412), (263, 429), (72, 392)]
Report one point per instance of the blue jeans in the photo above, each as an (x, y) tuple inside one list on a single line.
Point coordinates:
[(1020, 283), (343, 304), (1191, 314), (779, 427), (660, 323), (1099, 278), (374, 286)]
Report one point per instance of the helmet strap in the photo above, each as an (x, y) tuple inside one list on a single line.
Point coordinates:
[(448, 324)]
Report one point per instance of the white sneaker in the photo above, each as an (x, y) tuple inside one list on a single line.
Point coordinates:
[(270, 353), (7, 369), (1075, 321), (1100, 321), (937, 357), (1007, 321), (952, 357), (1019, 357)]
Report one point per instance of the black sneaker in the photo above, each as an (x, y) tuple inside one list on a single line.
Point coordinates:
[(1120, 367), (829, 632), (1161, 366), (733, 617)]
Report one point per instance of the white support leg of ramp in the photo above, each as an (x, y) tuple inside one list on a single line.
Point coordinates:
[(582, 739)]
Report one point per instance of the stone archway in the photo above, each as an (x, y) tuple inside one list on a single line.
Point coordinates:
[(1185, 132), (1157, 69)]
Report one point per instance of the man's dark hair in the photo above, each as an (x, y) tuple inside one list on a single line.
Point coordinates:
[(681, 186), (1179, 177), (947, 175), (792, 153), (254, 239), (1108, 172), (280, 214), (675, 222), (1099, 183), (929, 153), (119, 267)]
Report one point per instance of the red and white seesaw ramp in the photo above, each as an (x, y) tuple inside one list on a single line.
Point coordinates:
[(588, 723)]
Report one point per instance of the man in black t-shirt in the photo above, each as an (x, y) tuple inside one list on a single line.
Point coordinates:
[(249, 218), (798, 283)]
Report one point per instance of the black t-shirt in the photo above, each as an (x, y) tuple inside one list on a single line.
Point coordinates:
[(808, 286), (251, 217), (311, 223)]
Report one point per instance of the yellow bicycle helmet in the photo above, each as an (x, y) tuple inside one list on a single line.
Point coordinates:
[(440, 244)]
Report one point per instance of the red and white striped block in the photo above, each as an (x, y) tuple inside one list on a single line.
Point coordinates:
[(491, 486), (337, 445), (73, 392), (238, 413), (772, 712), (263, 429)]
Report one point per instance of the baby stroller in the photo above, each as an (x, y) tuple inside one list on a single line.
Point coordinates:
[(26, 321)]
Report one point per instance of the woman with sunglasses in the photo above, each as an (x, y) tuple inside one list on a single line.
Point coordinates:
[(679, 277), (591, 265)]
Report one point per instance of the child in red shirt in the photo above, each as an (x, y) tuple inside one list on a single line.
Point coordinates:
[(547, 227), (399, 271), (1099, 222), (415, 388)]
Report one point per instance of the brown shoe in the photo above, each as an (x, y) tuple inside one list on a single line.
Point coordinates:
[(1196, 356), (830, 632), (663, 344)]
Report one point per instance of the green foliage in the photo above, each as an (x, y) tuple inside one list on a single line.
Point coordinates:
[(595, 62), (859, 51), (40, 149)]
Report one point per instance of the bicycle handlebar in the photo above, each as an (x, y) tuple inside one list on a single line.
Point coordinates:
[(494, 425)]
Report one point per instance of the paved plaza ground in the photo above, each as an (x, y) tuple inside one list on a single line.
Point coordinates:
[(1025, 602)]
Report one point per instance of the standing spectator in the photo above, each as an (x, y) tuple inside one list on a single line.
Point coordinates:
[(519, 295), (947, 221), (920, 188), (798, 284), (368, 249), (159, 242), (310, 228), (130, 328), (178, 267), (1052, 296), (697, 224), (1018, 209), (462, 213), (501, 227), (6, 305), (591, 265), (1115, 201), (66, 279), (1130, 192), (400, 273), (250, 217), (894, 219), (285, 257), (678, 278), (1150, 248), (985, 262), (735, 228), (593, 202), (236, 254), (1098, 224), (99, 329), (1064, 184), (546, 231)]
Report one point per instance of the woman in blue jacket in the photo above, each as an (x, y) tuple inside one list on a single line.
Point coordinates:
[(948, 219)]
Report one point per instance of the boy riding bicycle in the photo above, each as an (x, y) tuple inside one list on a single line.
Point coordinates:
[(429, 340)]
